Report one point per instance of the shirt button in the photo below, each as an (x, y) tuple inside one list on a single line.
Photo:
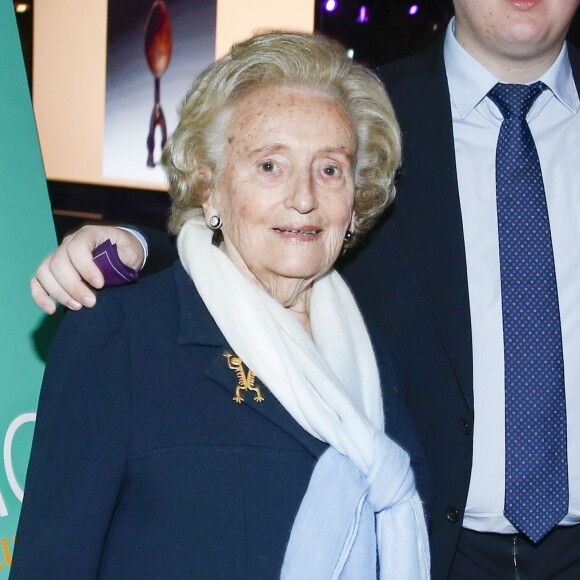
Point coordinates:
[(465, 427), (452, 514)]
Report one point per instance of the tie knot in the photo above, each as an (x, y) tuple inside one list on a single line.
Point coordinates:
[(515, 100)]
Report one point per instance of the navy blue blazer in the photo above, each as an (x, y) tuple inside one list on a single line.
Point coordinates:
[(142, 464), (410, 278)]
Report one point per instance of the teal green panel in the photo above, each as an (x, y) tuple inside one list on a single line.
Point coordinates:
[(26, 235)]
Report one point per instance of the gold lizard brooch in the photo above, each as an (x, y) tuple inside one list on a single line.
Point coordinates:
[(245, 381)]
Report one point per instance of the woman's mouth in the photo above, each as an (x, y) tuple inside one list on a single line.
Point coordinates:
[(301, 232)]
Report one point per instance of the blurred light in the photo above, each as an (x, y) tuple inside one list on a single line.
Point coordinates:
[(21, 7), (435, 27), (413, 10), (330, 5), (363, 15), (350, 53)]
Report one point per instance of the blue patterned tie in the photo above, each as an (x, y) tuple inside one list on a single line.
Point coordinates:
[(536, 470)]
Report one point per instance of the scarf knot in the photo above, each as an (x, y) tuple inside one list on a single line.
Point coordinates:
[(390, 479)]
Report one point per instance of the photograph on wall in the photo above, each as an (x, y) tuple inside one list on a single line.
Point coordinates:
[(155, 50)]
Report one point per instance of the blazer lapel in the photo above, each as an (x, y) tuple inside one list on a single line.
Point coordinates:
[(197, 327), (427, 213)]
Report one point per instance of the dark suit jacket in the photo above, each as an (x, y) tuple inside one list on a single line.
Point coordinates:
[(142, 464), (411, 280)]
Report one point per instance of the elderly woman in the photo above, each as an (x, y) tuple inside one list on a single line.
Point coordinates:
[(224, 418)]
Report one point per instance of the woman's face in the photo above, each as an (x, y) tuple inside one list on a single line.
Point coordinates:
[(287, 191)]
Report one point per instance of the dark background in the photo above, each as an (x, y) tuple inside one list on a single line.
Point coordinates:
[(391, 31)]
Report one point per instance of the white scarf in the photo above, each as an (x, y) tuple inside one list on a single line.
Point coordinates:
[(330, 385)]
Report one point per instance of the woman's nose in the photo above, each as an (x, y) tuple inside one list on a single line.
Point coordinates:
[(302, 195)]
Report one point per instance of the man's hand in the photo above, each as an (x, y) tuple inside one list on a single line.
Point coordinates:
[(68, 275)]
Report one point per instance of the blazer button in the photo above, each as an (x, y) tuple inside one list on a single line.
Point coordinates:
[(452, 514), (465, 427)]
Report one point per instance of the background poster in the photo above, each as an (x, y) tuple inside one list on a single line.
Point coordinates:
[(130, 83), (70, 71), (26, 236)]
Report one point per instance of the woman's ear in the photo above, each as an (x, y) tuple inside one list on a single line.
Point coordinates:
[(352, 225), (208, 205)]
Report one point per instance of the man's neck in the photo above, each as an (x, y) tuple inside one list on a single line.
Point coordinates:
[(516, 71)]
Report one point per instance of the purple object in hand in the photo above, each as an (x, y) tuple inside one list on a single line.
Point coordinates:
[(106, 257)]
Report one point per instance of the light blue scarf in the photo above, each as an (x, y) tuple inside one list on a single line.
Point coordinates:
[(361, 517), (350, 527)]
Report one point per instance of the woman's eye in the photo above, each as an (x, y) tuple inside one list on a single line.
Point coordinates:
[(268, 166), (331, 171)]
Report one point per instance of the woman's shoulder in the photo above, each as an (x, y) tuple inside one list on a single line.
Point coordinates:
[(133, 306), (148, 295), (145, 288)]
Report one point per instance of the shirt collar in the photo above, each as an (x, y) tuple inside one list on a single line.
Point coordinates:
[(469, 81)]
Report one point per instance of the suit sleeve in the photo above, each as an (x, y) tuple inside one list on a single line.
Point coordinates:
[(79, 449), (161, 247)]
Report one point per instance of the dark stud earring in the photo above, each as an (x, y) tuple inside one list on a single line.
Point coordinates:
[(348, 236)]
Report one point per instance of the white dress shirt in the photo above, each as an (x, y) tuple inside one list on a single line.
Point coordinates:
[(554, 121)]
